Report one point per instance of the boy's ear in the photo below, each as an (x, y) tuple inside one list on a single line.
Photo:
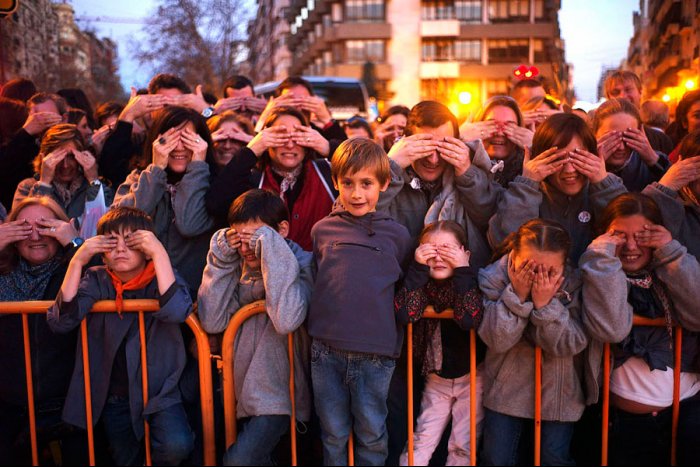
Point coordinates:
[(335, 184), (283, 229), (386, 186)]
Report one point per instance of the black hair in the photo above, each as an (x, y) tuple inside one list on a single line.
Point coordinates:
[(291, 82), (257, 204), (168, 81), (238, 82), (124, 219)]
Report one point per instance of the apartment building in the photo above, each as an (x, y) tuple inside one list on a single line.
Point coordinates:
[(665, 48), (268, 56), (429, 49)]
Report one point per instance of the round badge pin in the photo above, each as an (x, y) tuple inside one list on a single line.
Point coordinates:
[(584, 217)]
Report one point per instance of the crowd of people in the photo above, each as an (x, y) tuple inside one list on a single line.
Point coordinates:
[(537, 224)]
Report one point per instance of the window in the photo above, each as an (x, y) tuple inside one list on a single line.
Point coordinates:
[(509, 11), (437, 89), (509, 51), (468, 51), (496, 88), (359, 52), (541, 52), (438, 50), (468, 11), (371, 11), (539, 11), (434, 10)]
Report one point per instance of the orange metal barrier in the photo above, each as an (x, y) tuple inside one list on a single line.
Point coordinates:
[(130, 306), (229, 388), (607, 360)]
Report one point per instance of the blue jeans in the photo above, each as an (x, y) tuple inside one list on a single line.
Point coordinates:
[(502, 439), (255, 443), (350, 394), (171, 437)]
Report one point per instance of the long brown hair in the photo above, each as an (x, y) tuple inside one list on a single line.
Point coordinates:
[(542, 234), (559, 129)]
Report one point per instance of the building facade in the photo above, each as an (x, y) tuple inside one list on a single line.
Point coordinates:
[(665, 48), (269, 58), (429, 49), (42, 42)]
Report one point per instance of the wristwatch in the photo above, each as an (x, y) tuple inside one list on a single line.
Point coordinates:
[(76, 242), (96, 182), (208, 112)]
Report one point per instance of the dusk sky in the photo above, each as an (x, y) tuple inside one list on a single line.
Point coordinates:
[(596, 34)]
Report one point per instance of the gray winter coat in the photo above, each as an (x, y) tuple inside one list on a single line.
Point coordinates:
[(477, 191), (261, 370), (526, 199), (511, 329), (181, 220), (681, 217)]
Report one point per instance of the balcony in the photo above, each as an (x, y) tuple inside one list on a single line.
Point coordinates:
[(500, 31), (440, 28), (437, 70)]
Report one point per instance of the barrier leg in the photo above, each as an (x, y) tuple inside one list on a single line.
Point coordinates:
[(606, 405), (30, 389), (88, 392), (538, 404), (472, 396), (144, 384), (292, 396), (409, 371), (676, 394), (351, 451)]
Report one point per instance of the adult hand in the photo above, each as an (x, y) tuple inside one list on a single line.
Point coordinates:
[(520, 136), (49, 164), (272, 137), (455, 256), (100, 136), (233, 133), (89, 164), (521, 278), (163, 145), (319, 112), (96, 245), (653, 236), (228, 103), (545, 286), (637, 140), (285, 100), (193, 101), (544, 165), (141, 104), (39, 122), (307, 137), (12, 232), (412, 148), (682, 173), (255, 104), (455, 153), (63, 232), (589, 165), (146, 242), (477, 130), (609, 143), (194, 143), (424, 253)]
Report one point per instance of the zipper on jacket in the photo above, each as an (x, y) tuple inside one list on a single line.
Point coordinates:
[(374, 248)]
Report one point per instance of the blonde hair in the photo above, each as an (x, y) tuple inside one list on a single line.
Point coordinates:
[(55, 137), (356, 154)]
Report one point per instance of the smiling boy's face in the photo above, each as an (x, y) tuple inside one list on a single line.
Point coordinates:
[(124, 262), (359, 192)]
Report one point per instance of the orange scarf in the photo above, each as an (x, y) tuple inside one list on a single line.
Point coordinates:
[(138, 282)]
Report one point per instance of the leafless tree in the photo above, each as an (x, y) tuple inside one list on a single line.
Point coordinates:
[(202, 41)]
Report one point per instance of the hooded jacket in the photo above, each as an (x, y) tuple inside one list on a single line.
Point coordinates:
[(681, 216), (359, 261)]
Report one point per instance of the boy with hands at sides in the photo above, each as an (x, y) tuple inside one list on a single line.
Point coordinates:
[(136, 267), (359, 254), (253, 260)]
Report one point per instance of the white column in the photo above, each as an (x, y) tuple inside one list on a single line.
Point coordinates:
[(404, 50)]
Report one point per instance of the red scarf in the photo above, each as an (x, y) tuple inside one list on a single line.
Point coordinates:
[(313, 204), (138, 282)]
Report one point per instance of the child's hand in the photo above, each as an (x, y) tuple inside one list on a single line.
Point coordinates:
[(545, 286), (456, 256), (653, 236), (610, 238), (522, 278), (424, 253), (233, 238), (144, 241), (97, 245)]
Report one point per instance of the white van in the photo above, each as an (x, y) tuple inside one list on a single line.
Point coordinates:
[(344, 97)]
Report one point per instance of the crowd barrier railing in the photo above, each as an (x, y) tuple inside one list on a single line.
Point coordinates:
[(607, 363), (109, 306)]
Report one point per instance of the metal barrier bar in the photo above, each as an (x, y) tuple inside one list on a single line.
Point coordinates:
[(144, 382), (109, 306), (678, 348), (228, 381), (538, 405), (430, 313)]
